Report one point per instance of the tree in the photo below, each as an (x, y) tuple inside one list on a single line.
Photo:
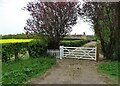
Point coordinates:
[(53, 19), (105, 24)]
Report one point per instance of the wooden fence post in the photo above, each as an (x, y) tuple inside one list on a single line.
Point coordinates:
[(97, 53), (61, 51)]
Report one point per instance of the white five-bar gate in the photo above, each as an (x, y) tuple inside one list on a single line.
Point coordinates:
[(75, 52)]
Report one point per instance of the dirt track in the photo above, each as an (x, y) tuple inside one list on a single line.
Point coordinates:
[(73, 71)]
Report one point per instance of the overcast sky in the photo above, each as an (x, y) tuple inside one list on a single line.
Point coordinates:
[(13, 18)]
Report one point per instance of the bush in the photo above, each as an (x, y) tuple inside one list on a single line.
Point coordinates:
[(36, 47), (10, 50), (71, 39), (74, 43)]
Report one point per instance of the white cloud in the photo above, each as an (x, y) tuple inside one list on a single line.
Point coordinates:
[(13, 18), (81, 27)]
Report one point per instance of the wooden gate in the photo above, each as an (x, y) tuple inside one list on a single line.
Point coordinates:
[(78, 52)]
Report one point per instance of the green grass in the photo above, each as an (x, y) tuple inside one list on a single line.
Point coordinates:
[(111, 68), (20, 72)]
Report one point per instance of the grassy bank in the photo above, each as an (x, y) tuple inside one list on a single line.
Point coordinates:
[(20, 72), (111, 68)]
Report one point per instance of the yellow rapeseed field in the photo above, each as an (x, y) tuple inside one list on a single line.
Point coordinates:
[(14, 40)]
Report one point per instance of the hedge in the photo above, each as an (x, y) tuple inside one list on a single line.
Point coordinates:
[(11, 49), (74, 43), (35, 48)]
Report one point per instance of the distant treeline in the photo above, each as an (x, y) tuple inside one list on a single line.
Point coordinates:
[(18, 36), (32, 36)]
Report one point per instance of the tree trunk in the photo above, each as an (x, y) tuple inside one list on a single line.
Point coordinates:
[(118, 32), (55, 44)]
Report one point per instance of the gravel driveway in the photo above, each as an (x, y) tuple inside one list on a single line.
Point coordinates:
[(73, 71)]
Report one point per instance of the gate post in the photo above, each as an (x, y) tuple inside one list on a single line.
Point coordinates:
[(61, 51), (97, 53)]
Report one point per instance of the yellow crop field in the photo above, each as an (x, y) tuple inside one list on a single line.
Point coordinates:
[(14, 40)]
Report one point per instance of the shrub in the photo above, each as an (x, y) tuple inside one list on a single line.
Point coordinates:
[(36, 47), (10, 50), (71, 38), (74, 43)]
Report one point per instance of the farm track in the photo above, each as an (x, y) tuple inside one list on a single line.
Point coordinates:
[(73, 71)]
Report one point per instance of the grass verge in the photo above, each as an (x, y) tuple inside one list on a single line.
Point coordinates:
[(111, 68), (20, 72)]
